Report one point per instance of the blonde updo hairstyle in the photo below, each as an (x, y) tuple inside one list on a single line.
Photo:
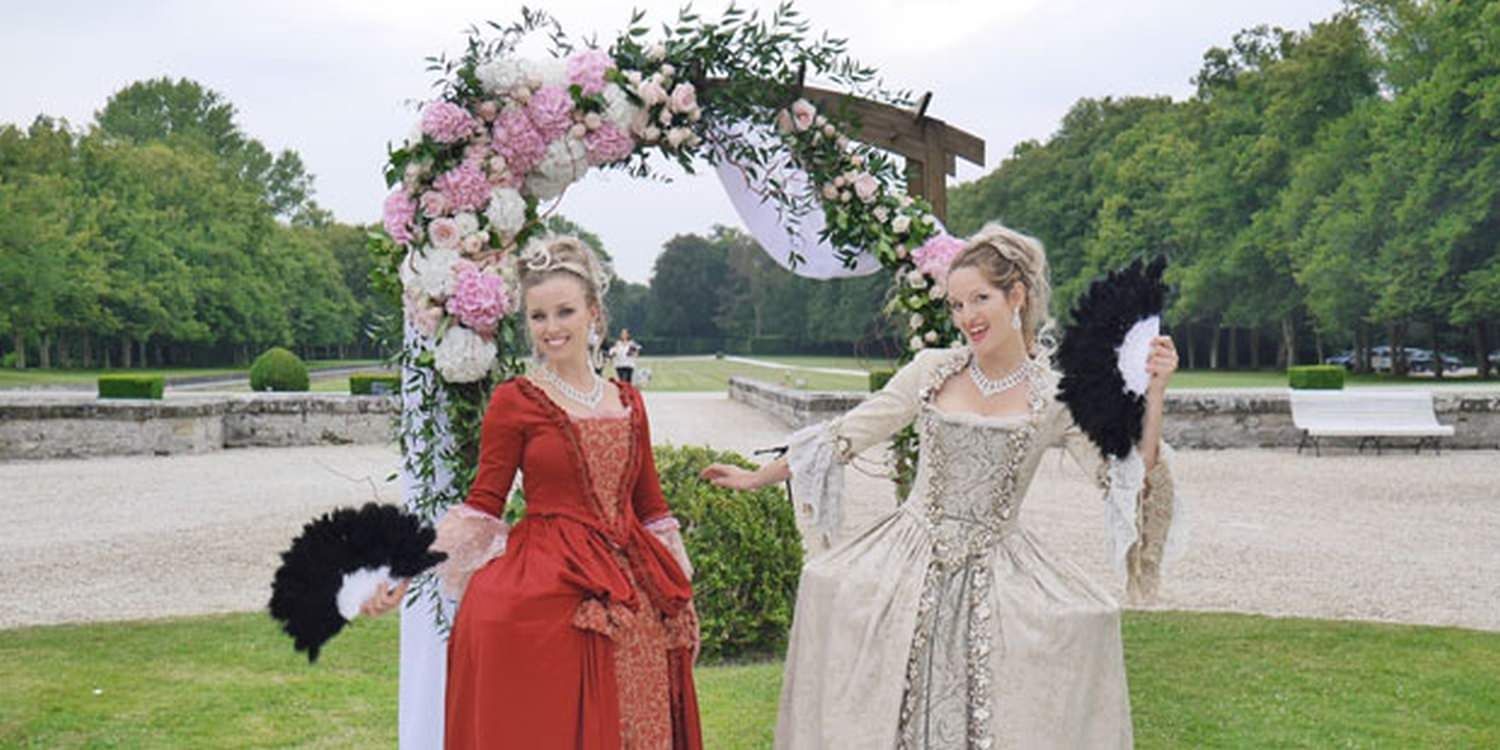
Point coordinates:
[(1005, 257), (556, 256)]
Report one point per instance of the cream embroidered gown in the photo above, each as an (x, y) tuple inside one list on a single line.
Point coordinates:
[(946, 624)]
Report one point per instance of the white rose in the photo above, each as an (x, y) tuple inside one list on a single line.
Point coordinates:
[(916, 321), (651, 93), (429, 270), (652, 134), (830, 193), (592, 121), (915, 344), (665, 117), (506, 212), (930, 337), (677, 136), (467, 222), (845, 195), (901, 252), (657, 52), (578, 130), (916, 280), (444, 233), (668, 71), (881, 214), (463, 356), (900, 224), (803, 115), (936, 292)]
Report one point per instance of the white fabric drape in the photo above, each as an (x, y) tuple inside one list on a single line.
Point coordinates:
[(424, 649), (767, 223)]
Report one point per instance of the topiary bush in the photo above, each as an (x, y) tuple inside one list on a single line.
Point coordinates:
[(131, 386), (1319, 377), (374, 383), (278, 370), (746, 553)]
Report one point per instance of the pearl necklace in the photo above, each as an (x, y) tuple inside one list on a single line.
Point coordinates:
[(988, 387), (590, 399)]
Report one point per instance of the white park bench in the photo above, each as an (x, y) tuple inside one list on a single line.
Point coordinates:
[(1368, 415)]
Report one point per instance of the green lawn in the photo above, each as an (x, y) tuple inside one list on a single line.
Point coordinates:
[(1191, 379), (1197, 680)]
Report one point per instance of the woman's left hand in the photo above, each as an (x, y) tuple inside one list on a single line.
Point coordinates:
[(1161, 363)]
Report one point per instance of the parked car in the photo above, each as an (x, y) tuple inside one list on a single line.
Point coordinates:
[(1345, 358)]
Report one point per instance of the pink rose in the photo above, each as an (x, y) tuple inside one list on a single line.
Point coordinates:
[(472, 244), (803, 115), (446, 122), (586, 70), (397, 216), (607, 144), (830, 192), (518, 141), (488, 110), (443, 233), (551, 111), (652, 93), (421, 314), (866, 186), (434, 204), (678, 136), (684, 98)]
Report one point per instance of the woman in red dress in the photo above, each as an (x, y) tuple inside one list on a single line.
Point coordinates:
[(582, 633)]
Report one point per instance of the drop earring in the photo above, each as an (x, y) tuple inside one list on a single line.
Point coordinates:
[(1015, 319)]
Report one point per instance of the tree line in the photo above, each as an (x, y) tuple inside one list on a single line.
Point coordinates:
[(1326, 189), (161, 234)]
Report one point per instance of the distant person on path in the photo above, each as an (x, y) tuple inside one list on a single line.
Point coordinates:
[(623, 355)]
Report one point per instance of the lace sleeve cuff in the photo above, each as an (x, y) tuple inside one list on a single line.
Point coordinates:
[(1146, 521), (816, 456), (669, 532), (471, 538)]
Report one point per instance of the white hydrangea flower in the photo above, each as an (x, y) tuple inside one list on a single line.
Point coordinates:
[(565, 162), (549, 72), (618, 108), (429, 271), (463, 356), (506, 212), (501, 76)]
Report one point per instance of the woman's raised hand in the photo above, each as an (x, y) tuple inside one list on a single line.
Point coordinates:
[(731, 477), (384, 599)]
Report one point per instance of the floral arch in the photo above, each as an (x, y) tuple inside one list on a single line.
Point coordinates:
[(495, 150)]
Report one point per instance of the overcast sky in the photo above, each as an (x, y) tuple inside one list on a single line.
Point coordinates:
[(337, 79)]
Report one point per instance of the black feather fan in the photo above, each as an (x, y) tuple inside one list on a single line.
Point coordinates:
[(304, 594), (1092, 385)]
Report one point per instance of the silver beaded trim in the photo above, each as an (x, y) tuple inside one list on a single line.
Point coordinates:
[(962, 542)]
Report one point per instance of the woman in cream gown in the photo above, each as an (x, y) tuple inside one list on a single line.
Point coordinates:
[(947, 624)]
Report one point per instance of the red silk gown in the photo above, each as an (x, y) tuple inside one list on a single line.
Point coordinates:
[(580, 635)]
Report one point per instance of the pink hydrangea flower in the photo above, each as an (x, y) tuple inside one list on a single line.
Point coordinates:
[(465, 187), (446, 122), (479, 299), (936, 254), (586, 70), (551, 111), (608, 144), (518, 141), (399, 211)]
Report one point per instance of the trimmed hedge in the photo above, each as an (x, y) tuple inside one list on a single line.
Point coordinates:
[(746, 553), (278, 370), (131, 386), (374, 383), (878, 379), (1316, 377)]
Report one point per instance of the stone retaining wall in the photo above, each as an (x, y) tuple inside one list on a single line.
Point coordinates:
[(47, 426), (1246, 418)]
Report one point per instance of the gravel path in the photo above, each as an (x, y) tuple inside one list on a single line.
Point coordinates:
[(1396, 538)]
